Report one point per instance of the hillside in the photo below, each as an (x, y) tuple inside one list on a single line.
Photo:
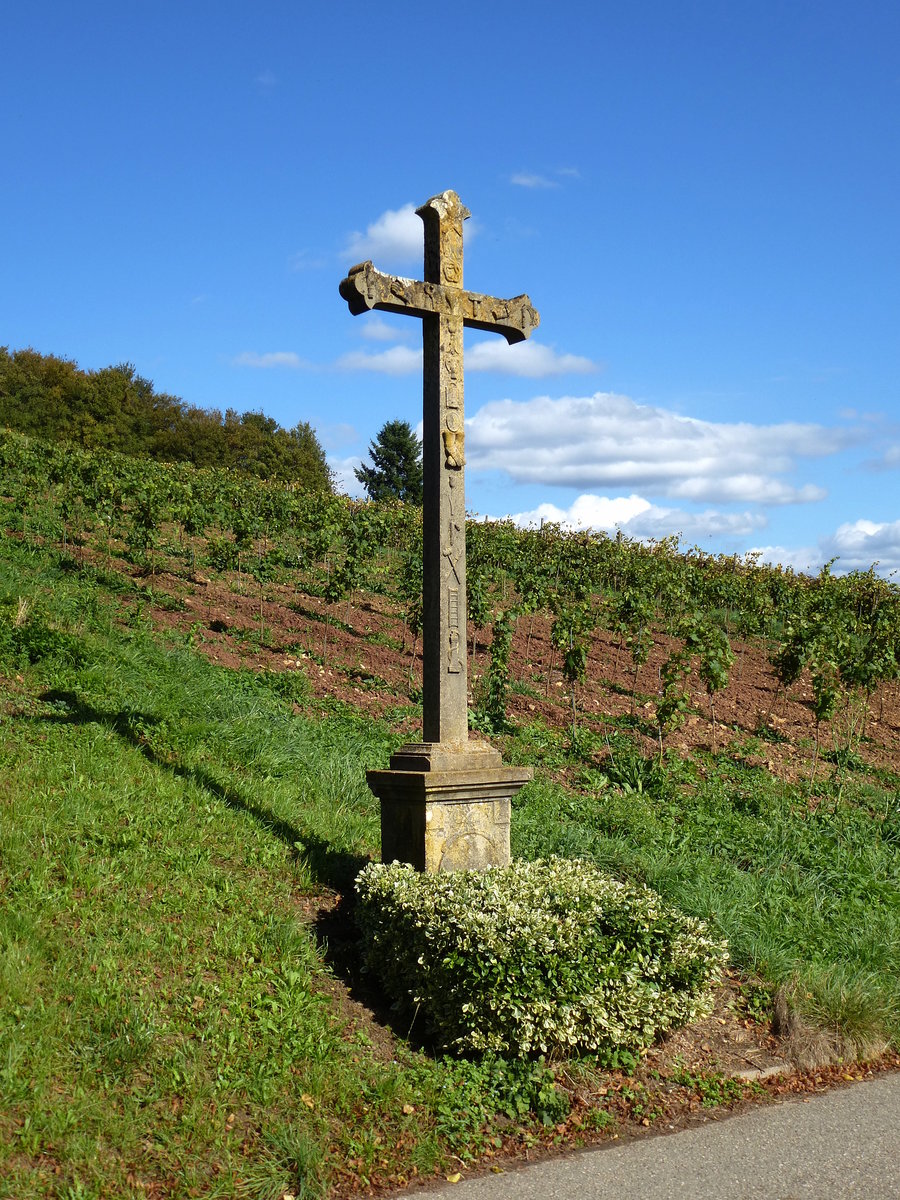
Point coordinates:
[(195, 674)]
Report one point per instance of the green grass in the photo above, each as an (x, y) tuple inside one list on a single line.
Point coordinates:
[(807, 895), (166, 1018)]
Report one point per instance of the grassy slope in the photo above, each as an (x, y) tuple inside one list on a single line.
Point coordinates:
[(809, 898), (162, 1024)]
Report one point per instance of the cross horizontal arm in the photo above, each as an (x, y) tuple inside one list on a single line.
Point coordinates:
[(366, 287)]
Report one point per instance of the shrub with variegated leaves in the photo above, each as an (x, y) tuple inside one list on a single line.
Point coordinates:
[(551, 956)]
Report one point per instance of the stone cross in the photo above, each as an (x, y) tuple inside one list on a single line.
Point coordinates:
[(444, 308)]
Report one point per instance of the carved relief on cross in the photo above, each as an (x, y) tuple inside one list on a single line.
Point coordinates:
[(445, 309)]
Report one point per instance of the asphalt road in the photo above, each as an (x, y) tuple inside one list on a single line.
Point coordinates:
[(844, 1145)]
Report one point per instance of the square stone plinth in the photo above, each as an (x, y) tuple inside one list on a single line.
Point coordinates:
[(446, 807)]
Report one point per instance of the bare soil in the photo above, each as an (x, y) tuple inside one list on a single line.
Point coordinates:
[(360, 652)]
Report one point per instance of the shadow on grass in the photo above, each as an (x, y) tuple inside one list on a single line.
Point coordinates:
[(329, 866), (339, 942), (333, 926)]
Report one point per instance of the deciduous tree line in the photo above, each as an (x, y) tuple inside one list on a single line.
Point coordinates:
[(117, 409)]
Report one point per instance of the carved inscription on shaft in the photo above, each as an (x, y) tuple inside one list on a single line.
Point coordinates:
[(454, 545), (453, 553), (452, 432), (454, 659), (445, 309)]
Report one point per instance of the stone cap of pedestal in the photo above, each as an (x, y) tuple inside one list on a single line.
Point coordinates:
[(449, 786), (446, 756)]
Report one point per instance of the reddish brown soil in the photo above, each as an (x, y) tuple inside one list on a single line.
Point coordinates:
[(360, 652)]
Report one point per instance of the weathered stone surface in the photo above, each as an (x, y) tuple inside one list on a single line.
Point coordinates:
[(446, 820), (445, 756), (366, 287), (467, 837), (444, 308)]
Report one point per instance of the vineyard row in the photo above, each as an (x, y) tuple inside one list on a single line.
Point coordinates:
[(844, 629)]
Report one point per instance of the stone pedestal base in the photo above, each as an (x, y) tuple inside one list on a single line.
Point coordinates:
[(445, 806)]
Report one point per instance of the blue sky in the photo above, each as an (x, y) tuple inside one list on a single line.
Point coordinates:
[(700, 198)]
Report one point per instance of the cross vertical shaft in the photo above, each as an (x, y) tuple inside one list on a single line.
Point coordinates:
[(444, 681)]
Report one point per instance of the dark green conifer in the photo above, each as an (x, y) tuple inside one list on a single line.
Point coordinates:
[(396, 471)]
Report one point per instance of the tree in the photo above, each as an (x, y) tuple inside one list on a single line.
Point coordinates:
[(396, 473), (117, 409)]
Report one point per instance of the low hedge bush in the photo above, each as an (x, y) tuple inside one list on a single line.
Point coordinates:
[(551, 956)]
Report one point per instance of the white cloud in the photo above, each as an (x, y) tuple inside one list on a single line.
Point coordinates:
[(610, 441), (798, 558), (761, 489), (587, 512), (277, 358), (527, 179), (344, 478), (860, 543), (267, 79), (531, 179), (637, 517), (396, 360), (889, 460), (397, 234), (856, 545), (376, 329), (530, 359)]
